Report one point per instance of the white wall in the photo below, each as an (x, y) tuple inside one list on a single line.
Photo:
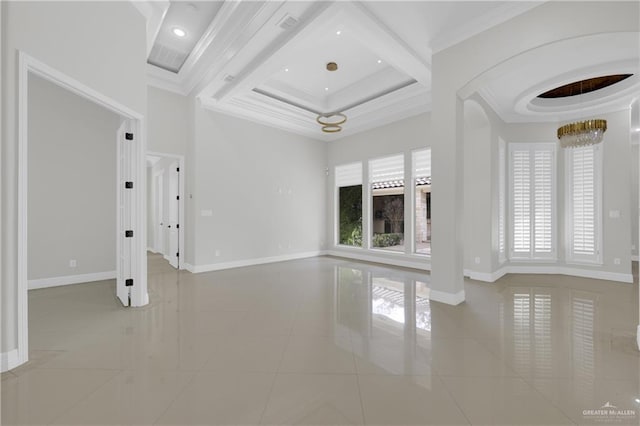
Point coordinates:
[(265, 189), (72, 183), (478, 188), (101, 44), (167, 122), (395, 138), (635, 177)]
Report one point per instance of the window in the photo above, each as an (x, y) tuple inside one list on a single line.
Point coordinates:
[(348, 180), (422, 176), (583, 208), (387, 207), (533, 182), (502, 181)]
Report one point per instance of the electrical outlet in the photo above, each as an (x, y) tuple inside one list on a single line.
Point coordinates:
[(73, 263), (218, 252), (477, 260), (616, 261)]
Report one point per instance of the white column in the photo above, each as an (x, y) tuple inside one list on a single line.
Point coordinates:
[(447, 187)]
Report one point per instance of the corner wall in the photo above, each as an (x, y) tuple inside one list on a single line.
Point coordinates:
[(255, 194)]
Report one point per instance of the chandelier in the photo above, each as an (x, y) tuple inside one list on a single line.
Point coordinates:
[(582, 133), (331, 122)]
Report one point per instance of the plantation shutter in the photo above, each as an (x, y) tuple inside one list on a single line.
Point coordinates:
[(521, 201), (387, 169), (348, 175), (502, 159), (542, 199), (532, 168), (422, 163), (583, 204)]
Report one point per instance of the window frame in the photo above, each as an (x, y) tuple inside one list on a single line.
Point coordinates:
[(336, 200), (570, 256), (532, 255)]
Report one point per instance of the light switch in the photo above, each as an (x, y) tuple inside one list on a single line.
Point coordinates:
[(205, 213), (614, 214)]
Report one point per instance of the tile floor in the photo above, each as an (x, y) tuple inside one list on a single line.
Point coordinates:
[(329, 341)]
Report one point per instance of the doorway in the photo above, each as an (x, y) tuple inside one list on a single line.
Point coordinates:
[(165, 197), (130, 257)]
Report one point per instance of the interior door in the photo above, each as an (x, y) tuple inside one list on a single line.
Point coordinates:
[(174, 217), (159, 213), (125, 259)]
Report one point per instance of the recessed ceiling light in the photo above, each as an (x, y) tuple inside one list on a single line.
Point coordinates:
[(326, 88), (286, 70), (179, 32), (379, 61), (637, 129), (638, 400), (338, 32)]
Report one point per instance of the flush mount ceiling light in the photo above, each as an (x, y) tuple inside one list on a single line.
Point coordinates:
[(179, 32), (331, 122)]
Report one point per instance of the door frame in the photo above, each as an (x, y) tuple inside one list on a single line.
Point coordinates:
[(29, 65), (156, 187), (181, 193)]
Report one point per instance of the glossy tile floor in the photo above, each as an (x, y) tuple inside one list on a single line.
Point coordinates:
[(329, 341)]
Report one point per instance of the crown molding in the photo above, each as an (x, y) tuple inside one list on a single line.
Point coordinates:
[(481, 23), (165, 80)]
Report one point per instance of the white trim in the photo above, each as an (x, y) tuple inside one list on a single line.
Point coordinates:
[(167, 258), (251, 262), (189, 267), (27, 64), (638, 337), (407, 261), (71, 279), (9, 360), (550, 269), (488, 277), (152, 250), (448, 298)]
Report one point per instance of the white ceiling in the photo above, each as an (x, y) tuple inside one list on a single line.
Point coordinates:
[(266, 61)]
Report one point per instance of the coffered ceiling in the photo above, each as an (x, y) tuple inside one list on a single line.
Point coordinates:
[(266, 60)]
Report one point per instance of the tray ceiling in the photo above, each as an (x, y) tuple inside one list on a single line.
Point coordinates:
[(266, 61)]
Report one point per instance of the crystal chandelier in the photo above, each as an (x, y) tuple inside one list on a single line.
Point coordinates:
[(582, 133)]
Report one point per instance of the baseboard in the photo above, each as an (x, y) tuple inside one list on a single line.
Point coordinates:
[(566, 270), (251, 262), (448, 298), (151, 250), (485, 276), (167, 258), (10, 360), (422, 264), (71, 279)]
